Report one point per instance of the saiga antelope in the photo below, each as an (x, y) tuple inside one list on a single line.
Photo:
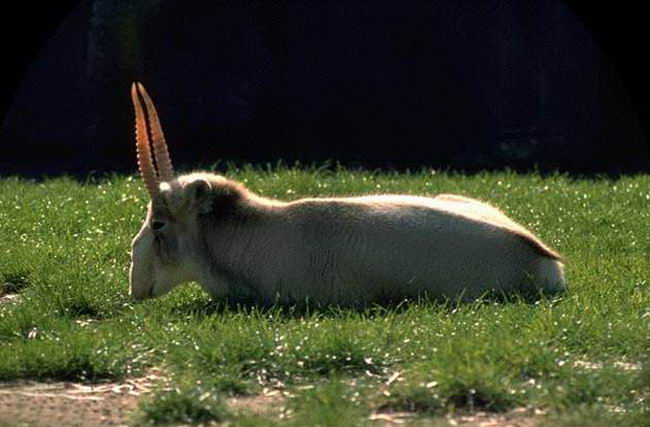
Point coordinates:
[(341, 250)]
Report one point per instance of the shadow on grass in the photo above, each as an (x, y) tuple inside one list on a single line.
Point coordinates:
[(185, 407), (247, 306), (14, 282), (79, 368), (456, 397)]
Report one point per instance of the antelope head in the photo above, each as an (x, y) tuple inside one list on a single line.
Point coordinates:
[(163, 253)]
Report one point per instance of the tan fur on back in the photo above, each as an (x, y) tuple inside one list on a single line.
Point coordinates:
[(476, 209), (471, 209)]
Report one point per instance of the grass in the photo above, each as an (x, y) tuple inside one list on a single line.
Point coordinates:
[(583, 357)]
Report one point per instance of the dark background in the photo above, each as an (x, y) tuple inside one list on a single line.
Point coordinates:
[(544, 84)]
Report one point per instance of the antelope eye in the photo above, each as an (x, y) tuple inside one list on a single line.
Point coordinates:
[(157, 225)]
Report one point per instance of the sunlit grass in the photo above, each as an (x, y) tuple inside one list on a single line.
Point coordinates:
[(64, 249)]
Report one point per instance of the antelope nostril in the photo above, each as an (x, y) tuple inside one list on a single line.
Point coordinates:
[(157, 225)]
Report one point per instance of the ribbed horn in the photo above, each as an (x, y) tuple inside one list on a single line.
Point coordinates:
[(145, 163), (163, 161)]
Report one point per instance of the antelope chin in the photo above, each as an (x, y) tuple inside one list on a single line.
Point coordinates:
[(140, 294)]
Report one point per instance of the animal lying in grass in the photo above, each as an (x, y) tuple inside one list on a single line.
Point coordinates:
[(342, 250)]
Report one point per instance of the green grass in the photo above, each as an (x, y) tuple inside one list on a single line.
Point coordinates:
[(583, 357)]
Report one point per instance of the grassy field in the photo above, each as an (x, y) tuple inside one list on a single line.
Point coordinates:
[(581, 358)]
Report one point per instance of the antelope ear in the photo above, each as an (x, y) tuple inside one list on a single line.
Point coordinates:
[(198, 195)]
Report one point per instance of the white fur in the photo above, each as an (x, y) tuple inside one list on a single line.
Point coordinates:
[(347, 251)]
